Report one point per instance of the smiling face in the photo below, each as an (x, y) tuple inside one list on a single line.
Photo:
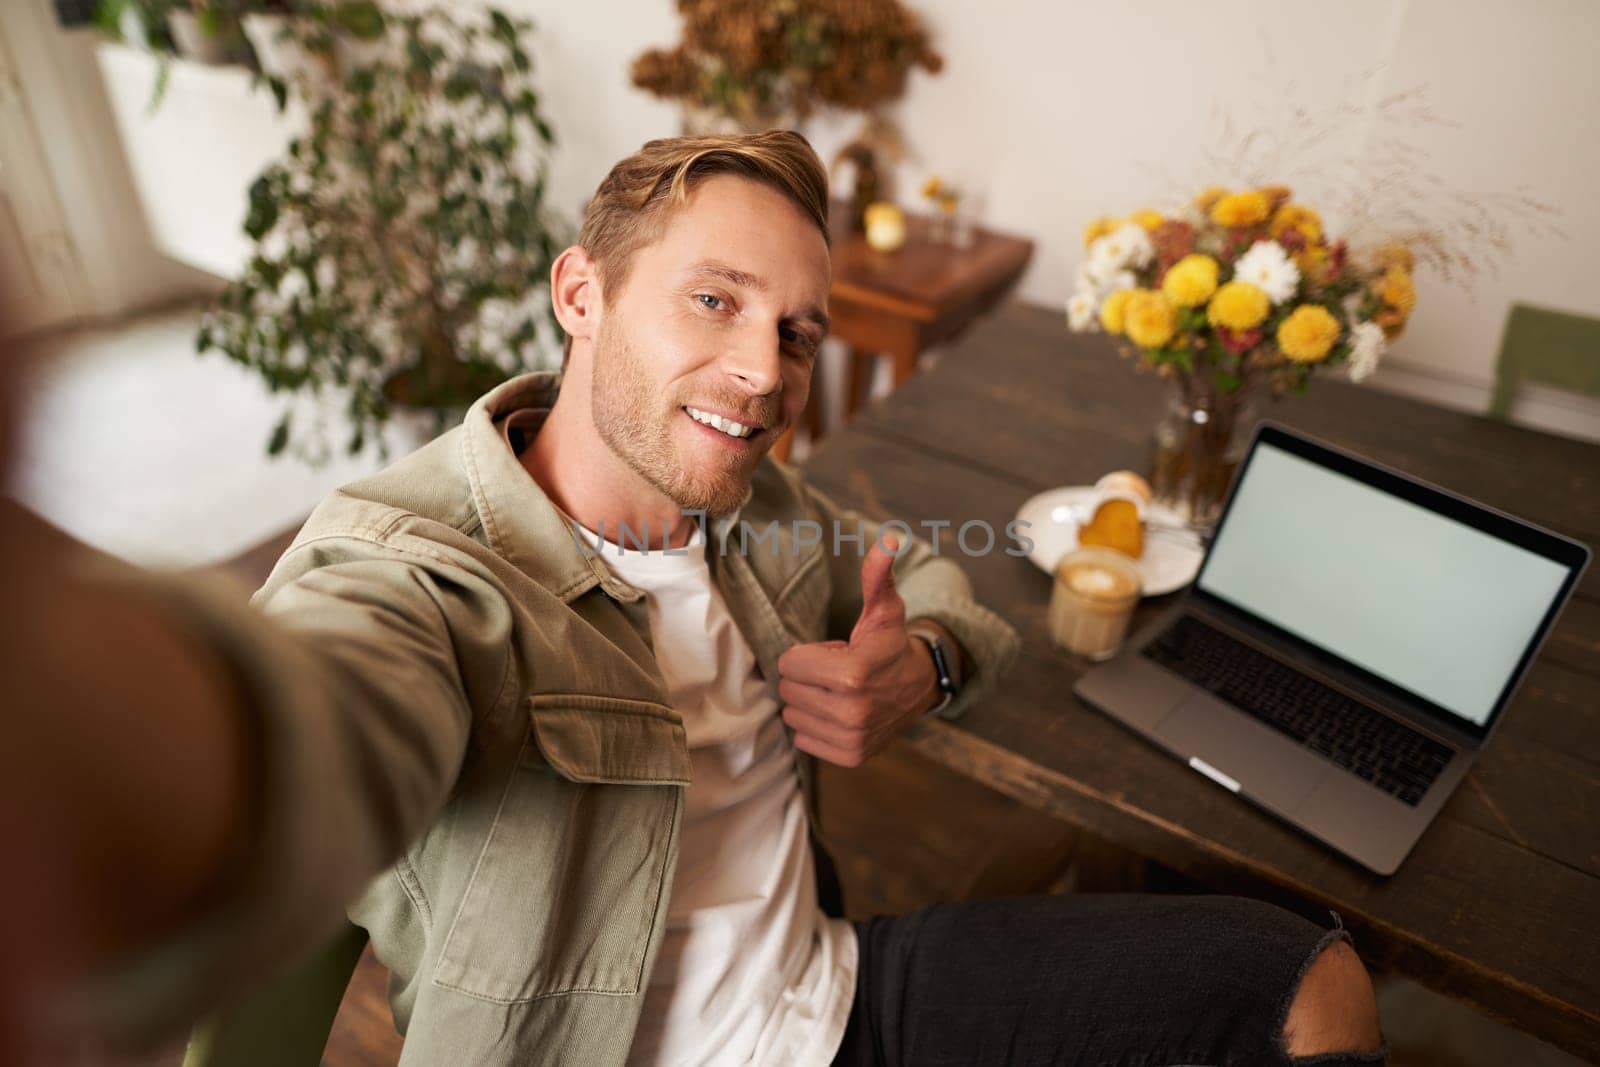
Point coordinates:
[(704, 356)]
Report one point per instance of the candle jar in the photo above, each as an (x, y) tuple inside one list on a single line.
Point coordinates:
[(1096, 590), (886, 226)]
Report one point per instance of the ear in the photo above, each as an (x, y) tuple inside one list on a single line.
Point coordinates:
[(575, 293)]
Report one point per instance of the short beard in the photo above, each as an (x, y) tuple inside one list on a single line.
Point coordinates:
[(623, 402)]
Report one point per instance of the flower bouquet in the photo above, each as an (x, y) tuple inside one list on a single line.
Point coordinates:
[(1238, 293)]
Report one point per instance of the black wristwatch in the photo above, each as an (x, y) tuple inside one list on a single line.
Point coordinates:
[(946, 663)]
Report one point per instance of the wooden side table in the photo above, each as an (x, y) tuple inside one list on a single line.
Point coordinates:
[(897, 304), (924, 293)]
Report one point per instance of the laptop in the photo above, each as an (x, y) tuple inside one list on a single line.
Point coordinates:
[(1349, 644)]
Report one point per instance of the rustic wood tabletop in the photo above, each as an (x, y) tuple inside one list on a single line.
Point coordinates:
[(1499, 902)]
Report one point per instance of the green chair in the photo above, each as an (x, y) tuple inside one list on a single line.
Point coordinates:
[(287, 1023), (1547, 348)]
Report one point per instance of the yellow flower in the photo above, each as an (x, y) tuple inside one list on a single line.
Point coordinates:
[(1313, 263), (1099, 228), (932, 187), (1397, 290), (1275, 194), (1392, 322), (1150, 318), (1114, 310), (1149, 218), (1238, 306), (1209, 197), (1395, 254), (1191, 281), (1308, 334), (1297, 217), (1241, 209)]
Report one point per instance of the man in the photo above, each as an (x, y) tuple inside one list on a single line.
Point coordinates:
[(572, 663)]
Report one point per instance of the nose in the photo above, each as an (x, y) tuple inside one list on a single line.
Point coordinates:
[(754, 364)]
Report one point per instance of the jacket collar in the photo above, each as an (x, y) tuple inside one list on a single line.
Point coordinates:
[(521, 522)]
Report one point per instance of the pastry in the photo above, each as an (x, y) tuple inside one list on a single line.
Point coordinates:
[(1118, 519)]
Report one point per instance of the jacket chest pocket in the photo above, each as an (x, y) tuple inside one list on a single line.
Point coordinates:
[(569, 886)]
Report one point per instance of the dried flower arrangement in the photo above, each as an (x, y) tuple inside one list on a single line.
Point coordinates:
[(758, 63)]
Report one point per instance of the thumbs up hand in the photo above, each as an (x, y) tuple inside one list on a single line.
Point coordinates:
[(845, 700)]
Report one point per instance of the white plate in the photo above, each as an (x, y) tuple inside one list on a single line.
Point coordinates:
[(1170, 561)]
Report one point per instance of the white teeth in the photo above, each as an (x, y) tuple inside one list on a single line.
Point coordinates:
[(727, 426)]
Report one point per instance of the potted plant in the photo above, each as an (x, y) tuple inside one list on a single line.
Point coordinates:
[(345, 34), (403, 244), (207, 31), (265, 24), (141, 24)]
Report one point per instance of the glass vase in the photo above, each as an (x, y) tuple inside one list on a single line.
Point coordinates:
[(1198, 445)]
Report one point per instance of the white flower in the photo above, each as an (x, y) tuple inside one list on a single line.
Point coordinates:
[(1366, 348), (1084, 278), (1127, 246), (1081, 308), (1105, 276), (1268, 267)]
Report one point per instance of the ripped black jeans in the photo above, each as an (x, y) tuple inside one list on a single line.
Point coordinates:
[(1096, 979)]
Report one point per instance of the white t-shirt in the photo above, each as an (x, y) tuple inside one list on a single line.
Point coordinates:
[(749, 969)]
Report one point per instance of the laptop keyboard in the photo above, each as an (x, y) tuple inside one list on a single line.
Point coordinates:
[(1376, 748)]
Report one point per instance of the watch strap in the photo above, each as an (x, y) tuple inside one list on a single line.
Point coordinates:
[(947, 668)]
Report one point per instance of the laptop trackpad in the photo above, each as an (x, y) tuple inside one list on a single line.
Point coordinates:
[(1267, 765)]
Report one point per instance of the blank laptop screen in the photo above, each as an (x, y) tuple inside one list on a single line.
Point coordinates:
[(1421, 600)]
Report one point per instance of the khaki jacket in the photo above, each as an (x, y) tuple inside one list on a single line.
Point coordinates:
[(452, 681)]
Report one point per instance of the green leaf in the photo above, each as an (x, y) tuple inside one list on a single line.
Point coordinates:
[(459, 86), (419, 57), (360, 18), (279, 438), (503, 28), (263, 210), (158, 91)]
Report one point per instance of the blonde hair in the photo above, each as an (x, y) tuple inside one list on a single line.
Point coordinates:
[(636, 199)]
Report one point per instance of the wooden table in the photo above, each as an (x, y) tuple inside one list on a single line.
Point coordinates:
[(924, 293), (1498, 904)]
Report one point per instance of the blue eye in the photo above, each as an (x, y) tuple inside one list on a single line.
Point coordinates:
[(703, 297)]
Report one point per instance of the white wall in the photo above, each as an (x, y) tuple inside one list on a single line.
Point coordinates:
[(1059, 112)]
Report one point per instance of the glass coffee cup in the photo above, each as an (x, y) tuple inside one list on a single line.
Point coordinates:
[(1096, 590)]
